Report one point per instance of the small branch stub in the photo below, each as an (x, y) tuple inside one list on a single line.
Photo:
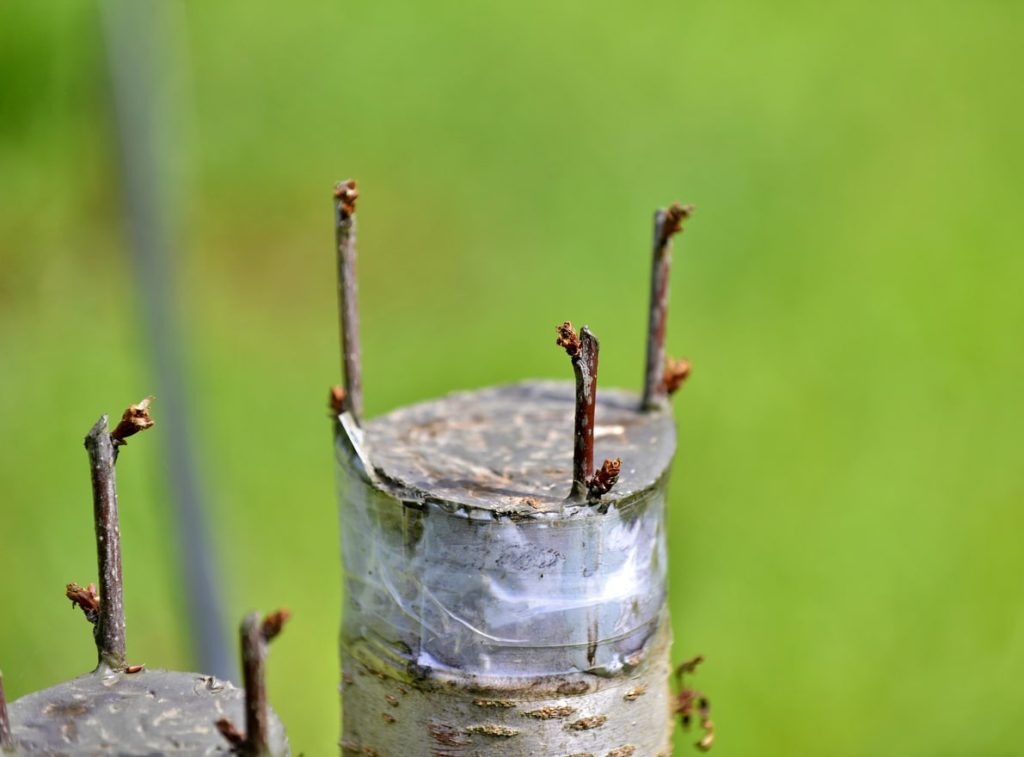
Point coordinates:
[(667, 223), (5, 723), (583, 350), (689, 700), (273, 624), (228, 730), (604, 478), (135, 419), (336, 400), (345, 195), (86, 598), (676, 373), (254, 634)]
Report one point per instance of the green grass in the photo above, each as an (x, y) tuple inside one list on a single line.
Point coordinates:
[(846, 505)]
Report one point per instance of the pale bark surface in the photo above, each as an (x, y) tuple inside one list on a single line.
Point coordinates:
[(477, 597), (387, 712)]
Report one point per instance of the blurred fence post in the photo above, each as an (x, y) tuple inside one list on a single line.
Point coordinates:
[(144, 54)]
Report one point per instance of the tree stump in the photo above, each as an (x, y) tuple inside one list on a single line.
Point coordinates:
[(485, 613), (145, 713), (126, 709)]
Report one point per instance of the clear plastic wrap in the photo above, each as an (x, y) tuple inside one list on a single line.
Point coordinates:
[(450, 585), (491, 596)]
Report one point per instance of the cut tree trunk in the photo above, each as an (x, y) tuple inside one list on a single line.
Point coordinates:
[(484, 612)]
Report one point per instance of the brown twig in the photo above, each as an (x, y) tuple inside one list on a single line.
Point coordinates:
[(254, 650), (583, 349), (676, 373), (101, 446), (109, 632), (689, 699), (5, 723), (345, 194), (254, 634), (604, 478), (667, 223)]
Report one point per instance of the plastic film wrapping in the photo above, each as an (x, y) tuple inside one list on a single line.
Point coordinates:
[(468, 575), (501, 597)]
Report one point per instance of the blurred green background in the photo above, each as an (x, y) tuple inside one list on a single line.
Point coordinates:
[(846, 520)]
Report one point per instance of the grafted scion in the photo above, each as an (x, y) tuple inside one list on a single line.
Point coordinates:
[(583, 349), (667, 223), (254, 635), (345, 195), (102, 447)]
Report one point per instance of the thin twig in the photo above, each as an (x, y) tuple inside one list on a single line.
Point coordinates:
[(345, 194), (102, 448), (583, 349), (110, 633), (254, 649), (5, 723), (254, 634), (667, 223)]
